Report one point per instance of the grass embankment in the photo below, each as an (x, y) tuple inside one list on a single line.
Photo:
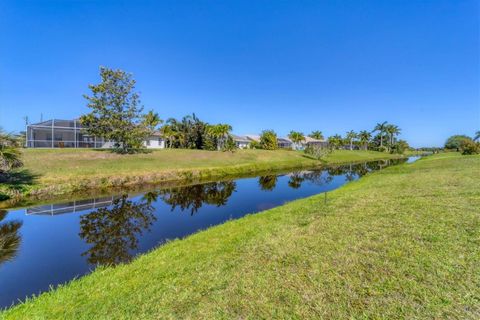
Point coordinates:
[(62, 171), (403, 242)]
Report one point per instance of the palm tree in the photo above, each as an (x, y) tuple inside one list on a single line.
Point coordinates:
[(380, 127), (9, 154), (224, 132), (335, 141), (296, 137), (168, 134), (152, 120), (220, 132), (477, 136), (364, 137), (316, 135), (351, 135), (393, 131)]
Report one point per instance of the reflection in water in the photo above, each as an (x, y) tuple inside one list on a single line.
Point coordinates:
[(267, 183), (296, 180), (114, 231), (193, 197), (9, 238), (72, 206)]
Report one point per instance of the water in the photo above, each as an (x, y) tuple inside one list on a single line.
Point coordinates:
[(52, 244)]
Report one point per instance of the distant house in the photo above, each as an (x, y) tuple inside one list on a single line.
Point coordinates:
[(315, 142), (309, 142), (284, 143), (155, 141), (242, 142), (57, 133)]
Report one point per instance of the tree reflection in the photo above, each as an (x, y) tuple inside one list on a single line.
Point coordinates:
[(9, 238), (193, 197), (267, 183), (318, 177), (113, 232), (296, 180)]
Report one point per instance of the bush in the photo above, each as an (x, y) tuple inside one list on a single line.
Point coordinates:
[(400, 147), (382, 149), (254, 145), (454, 142), (468, 147), (229, 145), (317, 152), (268, 140)]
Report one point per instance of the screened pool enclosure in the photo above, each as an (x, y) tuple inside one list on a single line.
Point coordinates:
[(62, 134)]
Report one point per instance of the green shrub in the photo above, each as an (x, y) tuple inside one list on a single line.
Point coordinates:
[(382, 149), (454, 142), (317, 152), (468, 147), (268, 140)]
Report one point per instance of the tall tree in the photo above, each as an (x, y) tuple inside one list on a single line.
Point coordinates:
[(268, 140), (456, 141), (296, 137), (351, 135), (116, 113), (335, 141), (392, 130), (168, 134), (380, 127), (316, 135), (364, 137), (220, 132)]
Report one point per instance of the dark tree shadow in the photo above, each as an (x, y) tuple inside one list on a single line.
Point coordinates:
[(16, 182)]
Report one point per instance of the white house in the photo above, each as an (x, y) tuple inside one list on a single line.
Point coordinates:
[(57, 133), (241, 142), (155, 141)]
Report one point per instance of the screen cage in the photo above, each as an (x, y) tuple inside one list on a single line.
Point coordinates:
[(62, 134)]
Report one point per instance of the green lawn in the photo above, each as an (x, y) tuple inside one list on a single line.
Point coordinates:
[(403, 242), (62, 171)]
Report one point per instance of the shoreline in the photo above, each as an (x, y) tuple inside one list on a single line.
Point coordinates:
[(353, 237), (106, 184)]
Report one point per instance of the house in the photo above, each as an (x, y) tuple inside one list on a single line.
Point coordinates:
[(315, 142), (57, 133), (242, 142), (284, 143), (155, 141)]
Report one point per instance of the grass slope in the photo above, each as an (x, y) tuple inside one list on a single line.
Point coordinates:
[(63, 171), (400, 243)]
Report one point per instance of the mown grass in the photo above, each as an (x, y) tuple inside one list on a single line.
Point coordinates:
[(403, 242), (63, 171)]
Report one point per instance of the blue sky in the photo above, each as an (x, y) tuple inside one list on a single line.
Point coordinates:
[(304, 65)]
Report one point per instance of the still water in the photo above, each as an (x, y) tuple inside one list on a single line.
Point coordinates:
[(51, 244)]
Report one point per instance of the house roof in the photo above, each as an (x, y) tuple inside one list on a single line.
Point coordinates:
[(284, 140), (309, 139), (156, 134), (58, 123), (240, 138), (253, 137)]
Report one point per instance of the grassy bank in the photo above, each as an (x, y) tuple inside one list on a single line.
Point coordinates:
[(403, 242), (62, 171)]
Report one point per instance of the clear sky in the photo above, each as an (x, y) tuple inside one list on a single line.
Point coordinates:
[(304, 65)]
